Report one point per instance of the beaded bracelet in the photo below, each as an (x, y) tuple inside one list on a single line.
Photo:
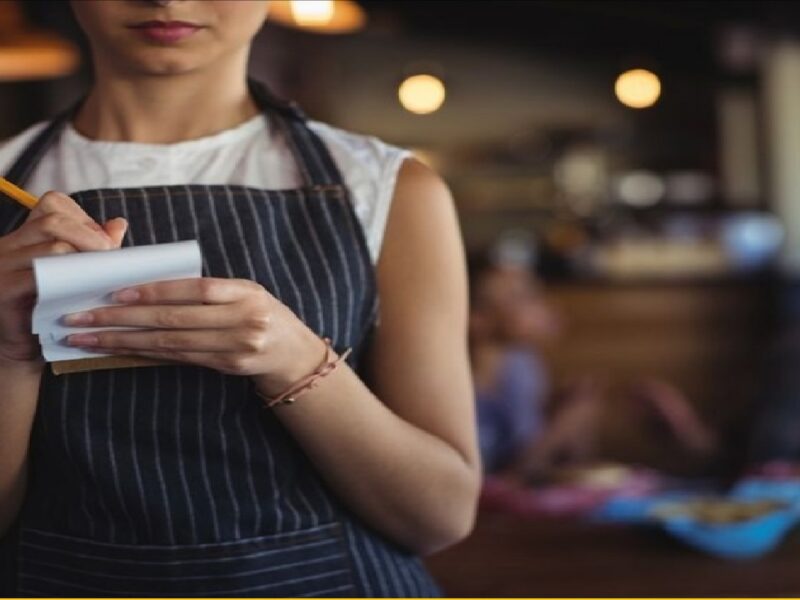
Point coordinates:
[(310, 381)]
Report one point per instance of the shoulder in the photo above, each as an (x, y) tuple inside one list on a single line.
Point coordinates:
[(370, 168), (423, 255), (11, 148), (354, 151)]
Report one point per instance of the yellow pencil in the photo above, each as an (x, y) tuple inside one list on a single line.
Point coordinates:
[(9, 189)]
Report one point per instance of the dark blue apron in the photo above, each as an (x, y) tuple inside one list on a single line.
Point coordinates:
[(173, 480)]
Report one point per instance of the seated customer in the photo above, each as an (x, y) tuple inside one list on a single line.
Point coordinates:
[(508, 318), (526, 430)]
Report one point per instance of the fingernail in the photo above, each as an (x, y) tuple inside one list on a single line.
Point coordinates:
[(126, 296), (82, 339), (81, 318)]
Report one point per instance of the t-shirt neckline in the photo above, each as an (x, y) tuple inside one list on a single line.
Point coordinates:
[(227, 136)]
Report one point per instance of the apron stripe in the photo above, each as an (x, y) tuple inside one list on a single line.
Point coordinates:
[(279, 251), (97, 490), (61, 584), (300, 255), (201, 451), (255, 500), (110, 454), (331, 233), (180, 445), (116, 552), (157, 418), (157, 415), (236, 532), (60, 565), (323, 260), (359, 561)]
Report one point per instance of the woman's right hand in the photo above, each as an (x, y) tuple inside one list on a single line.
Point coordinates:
[(57, 225)]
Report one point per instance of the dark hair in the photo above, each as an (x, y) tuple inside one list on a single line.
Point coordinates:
[(479, 263)]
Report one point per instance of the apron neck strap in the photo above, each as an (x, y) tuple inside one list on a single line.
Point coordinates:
[(22, 168), (316, 164), (313, 158)]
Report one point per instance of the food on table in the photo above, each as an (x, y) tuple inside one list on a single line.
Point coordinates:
[(717, 510)]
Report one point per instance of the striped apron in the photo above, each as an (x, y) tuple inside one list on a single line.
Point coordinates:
[(173, 480)]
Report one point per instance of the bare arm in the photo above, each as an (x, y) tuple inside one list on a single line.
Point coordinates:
[(404, 458), (20, 385), (407, 463)]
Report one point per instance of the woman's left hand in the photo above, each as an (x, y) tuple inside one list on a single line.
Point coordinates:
[(231, 325)]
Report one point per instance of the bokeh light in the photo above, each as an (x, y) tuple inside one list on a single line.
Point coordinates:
[(312, 12), (638, 88), (422, 94)]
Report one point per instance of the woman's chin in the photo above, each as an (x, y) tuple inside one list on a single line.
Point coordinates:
[(155, 62), (164, 67)]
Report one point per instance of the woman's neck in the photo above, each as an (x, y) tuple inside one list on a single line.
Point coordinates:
[(165, 109)]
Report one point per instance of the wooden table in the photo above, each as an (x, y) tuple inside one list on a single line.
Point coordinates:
[(506, 556)]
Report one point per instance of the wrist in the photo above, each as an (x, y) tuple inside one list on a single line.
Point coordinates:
[(20, 368), (305, 362), (308, 382)]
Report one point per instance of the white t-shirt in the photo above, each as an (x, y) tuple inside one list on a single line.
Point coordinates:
[(252, 154)]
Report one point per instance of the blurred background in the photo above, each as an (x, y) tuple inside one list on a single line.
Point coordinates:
[(627, 176)]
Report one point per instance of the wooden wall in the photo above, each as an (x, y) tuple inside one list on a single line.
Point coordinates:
[(708, 339)]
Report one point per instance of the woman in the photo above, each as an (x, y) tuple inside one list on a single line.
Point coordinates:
[(174, 480)]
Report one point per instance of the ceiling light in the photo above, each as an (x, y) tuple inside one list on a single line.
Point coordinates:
[(422, 94), (318, 16), (638, 88)]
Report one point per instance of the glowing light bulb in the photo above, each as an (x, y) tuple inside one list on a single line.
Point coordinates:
[(422, 94), (312, 12), (317, 16), (638, 88)]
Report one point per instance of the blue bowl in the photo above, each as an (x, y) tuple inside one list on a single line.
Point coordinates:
[(747, 539), (754, 488)]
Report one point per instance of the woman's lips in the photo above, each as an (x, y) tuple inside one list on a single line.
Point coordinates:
[(166, 32)]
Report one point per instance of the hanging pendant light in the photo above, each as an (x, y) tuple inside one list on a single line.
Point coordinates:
[(27, 53), (318, 16)]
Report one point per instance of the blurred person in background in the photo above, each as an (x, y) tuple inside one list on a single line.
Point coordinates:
[(509, 319), (525, 427)]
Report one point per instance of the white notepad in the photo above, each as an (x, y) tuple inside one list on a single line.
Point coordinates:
[(77, 282)]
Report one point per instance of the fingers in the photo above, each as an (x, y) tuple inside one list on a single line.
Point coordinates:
[(56, 202), (116, 229), (58, 217), (23, 258), (174, 340), (202, 290), (62, 227), (223, 324), (81, 235), (164, 317), (231, 364)]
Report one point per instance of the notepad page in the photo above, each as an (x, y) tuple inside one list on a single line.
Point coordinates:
[(82, 281)]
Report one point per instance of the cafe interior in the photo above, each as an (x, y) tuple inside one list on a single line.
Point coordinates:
[(634, 165)]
